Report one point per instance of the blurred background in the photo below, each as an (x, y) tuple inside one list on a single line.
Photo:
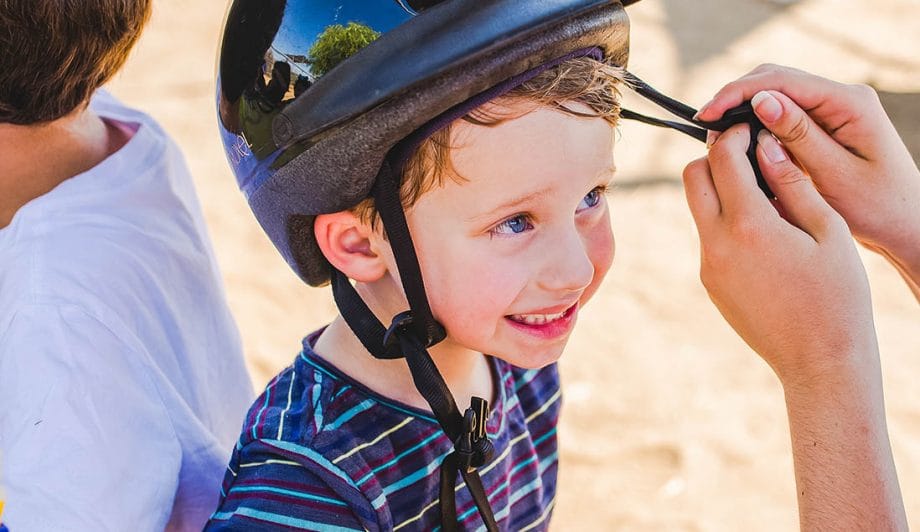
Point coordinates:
[(670, 422)]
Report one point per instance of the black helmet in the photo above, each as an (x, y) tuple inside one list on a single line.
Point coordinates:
[(315, 96)]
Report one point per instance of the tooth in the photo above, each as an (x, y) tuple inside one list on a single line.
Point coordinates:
[(537, 319)]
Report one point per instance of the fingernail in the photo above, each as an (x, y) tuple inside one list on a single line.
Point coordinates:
[(702, 110), (767, 107), (771, 148)]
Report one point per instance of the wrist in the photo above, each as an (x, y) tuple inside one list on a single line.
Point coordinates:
[(837, 371)]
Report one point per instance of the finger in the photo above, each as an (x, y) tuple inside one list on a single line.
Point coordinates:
[(799, 200), (732, 174), (808, 90), (832, 105), (701, 194), (813, 147)]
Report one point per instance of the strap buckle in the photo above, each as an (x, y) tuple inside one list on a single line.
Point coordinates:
[(473, 447)]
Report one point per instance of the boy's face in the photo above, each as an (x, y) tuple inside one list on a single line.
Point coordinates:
[(512, 252)]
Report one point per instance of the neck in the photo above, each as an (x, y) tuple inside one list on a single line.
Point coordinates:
[(466, 372), (36, 158)]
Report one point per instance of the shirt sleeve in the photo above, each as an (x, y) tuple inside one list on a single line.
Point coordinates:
[(265, 491), (85, 439)]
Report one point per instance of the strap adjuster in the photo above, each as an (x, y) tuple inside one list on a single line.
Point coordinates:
[(404, 325), (400, 327), (473, 448)]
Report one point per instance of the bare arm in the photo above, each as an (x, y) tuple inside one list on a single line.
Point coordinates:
[(845, 476), (794, 289)]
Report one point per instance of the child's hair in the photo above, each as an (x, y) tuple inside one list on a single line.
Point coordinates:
[(54, 53), (581, 80)]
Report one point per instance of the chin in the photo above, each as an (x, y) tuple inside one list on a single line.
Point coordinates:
[(531, 359)]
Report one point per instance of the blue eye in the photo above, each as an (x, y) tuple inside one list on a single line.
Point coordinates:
[(515, 225), (590, 200)]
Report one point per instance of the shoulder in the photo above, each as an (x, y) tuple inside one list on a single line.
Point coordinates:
[(312, 420), (51, 338), (265, 491), (310, 406), (132, 241), (63, 357), (66, 415), (130, 224), (284, 469), (163, 294)]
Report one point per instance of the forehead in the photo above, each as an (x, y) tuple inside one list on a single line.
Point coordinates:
[(530, 139)]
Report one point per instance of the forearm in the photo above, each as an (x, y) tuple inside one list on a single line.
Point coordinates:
[(844, 470)]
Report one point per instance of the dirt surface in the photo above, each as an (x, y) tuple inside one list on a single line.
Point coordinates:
[(670, 422)]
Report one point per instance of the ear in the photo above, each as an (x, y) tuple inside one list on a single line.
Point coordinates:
[(346, 243)]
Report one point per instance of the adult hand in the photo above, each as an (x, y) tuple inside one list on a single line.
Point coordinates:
[(842, 138), (795, 290)]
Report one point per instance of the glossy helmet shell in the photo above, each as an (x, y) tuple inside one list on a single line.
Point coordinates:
[(312, 94)]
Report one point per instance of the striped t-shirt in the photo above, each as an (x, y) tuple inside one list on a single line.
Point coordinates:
[(319, 451)]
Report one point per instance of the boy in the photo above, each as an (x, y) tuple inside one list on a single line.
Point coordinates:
[(121, 374), (504, 199), (495, 201)]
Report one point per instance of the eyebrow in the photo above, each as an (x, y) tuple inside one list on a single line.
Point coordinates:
[(510, 205), (526, 198)]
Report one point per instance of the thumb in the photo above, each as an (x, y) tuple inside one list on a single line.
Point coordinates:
[(798, 198)]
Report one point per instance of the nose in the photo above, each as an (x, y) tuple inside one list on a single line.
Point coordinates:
[(568, 266)]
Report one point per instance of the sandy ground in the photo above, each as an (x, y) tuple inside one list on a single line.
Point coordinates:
[(670, 422)]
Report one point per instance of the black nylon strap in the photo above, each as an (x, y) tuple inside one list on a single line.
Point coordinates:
[(448, 490), (447, 496), (360, 319), (671, 105), (696, 132), (744, 113), (478, 491), (387, 200), (409, 335), (431, 385)]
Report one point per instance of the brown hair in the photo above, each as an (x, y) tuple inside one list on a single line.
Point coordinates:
[(581, 80), (55, 53)]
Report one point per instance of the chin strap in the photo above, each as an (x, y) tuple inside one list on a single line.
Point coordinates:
[(743, 114), (409, 335)]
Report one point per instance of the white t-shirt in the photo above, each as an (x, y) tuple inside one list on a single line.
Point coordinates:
[(122, 381)]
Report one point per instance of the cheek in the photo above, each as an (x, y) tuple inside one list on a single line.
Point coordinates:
[(603, 250), (600, 246), (475, 290)]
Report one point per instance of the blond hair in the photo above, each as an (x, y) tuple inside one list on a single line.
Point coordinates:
[(576, 81)]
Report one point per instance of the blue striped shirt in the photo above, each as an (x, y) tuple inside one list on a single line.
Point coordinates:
[(319, 451)]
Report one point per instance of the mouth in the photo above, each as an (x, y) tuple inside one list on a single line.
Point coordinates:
[(545, 325), (537, 319)]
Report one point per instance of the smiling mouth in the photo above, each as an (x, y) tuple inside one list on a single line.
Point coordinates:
[(540, 319)]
